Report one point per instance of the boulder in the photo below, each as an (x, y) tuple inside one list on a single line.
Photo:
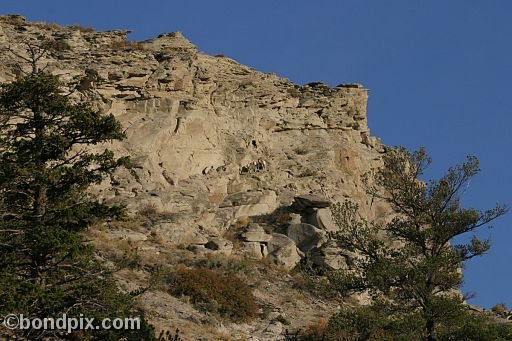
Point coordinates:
[(254, 249), (331, 257), (322, 218), (248, 198), (283, 250), (303, 202), (221, 245), (274, 329), (255, 233), (250, 203), (306, 236)]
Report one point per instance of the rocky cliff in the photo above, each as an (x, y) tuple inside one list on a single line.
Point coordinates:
[(215, 146)]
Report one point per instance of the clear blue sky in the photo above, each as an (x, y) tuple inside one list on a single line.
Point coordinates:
[(439, 75)]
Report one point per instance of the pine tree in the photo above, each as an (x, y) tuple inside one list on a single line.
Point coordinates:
[(46, 166), (420, 273)]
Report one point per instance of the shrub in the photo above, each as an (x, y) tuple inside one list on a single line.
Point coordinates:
[(315, 331), (301, 150), (82, 29), (476, 326), (499, 309), (242, 222), (294, 92), (124, 45), (372, 323), (149, 210), (307, 172), (14, 19), (282, 319), (130, 260), (212, 291), (57, 45), (46, 26), (229, 265)]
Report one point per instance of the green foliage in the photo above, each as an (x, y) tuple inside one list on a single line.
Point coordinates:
[(46, 268), (294, 92), (282, 319), (420, 270), (356, 325), (373, 323), (476, 328), (210, 290), (499, 309)]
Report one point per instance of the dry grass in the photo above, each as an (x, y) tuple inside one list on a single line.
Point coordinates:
[(294, 92), (240, 266), (242, 222), (308, 172), (81, 28), (57, 45), (315, 331), (149, 210), (301, 150), (47, 26), (125, 45), (233, 232), (13, 19)]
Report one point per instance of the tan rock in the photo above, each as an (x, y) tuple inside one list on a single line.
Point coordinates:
[(283, 250), (322, 218), (256, 233)]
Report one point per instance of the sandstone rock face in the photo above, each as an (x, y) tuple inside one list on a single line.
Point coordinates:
[(213, 143), (204, 130)]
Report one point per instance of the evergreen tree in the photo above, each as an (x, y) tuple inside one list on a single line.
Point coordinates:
[(46, 165), (420, 272)]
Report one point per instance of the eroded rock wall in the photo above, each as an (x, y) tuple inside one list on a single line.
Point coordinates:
[(203, 130)]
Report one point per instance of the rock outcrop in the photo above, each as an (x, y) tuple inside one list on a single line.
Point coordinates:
[(213, 142)]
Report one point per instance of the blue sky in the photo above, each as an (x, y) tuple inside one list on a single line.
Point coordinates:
[(438, 72)]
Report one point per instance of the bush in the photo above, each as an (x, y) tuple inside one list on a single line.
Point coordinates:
[(124, 45), (476, 327), (315, 331), (212, 291), (360, 324), (57, 45), (301, 150), (149, 210), (81, 28), (294, 92), (14, 19), (499, 309), (372, 323)]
